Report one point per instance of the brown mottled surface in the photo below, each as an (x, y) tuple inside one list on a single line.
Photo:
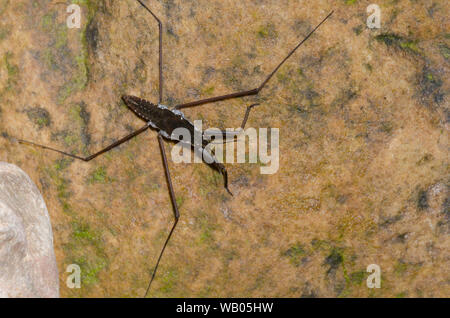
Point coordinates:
[(363, 117)]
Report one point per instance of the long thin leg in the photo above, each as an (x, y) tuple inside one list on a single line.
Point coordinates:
[(254, 91), (174, 205), (161, 82), (88, 158), (247, 113), (227, 134)]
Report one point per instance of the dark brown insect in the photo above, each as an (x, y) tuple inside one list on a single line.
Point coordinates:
[(165, 121)]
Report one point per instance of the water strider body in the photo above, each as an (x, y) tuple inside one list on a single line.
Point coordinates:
[(166, 120)]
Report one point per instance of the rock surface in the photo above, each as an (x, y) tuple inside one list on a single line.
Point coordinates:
[(27, 260), (364, 126)]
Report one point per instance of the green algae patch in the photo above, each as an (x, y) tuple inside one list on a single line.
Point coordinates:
[(267, 31), (86, 249), (80, 116), (99, 175), (399, 42), (445, 51), (430, 86), (358, 277), (168, 282), (83, 231), (296, 254), (58, 55), (334, 260), (400, 267), (12, 72), (3, 5), (4, 32), (55, 173), (48, 21), (208, 90), (39, 116), (180, 200)]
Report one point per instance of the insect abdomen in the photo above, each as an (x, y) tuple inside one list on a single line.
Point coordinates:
[(159, 117), (141, 107)]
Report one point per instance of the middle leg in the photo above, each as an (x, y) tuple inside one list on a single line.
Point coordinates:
[(256, 90)]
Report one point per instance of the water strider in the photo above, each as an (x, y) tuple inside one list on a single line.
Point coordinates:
[(165, 120)]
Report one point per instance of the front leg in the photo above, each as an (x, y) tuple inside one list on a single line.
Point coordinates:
[(232, 134)]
